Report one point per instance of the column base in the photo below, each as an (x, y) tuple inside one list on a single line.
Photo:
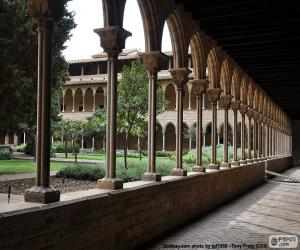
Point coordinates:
[(178, 172), (151, 176), (249, 161), (199, 169), (243, 162), (235, 163), (225, 165), (255, 160), (39, 194), (110, 183), (214, 166)]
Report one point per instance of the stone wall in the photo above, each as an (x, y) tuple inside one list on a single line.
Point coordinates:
[(279, 165), (126, 218)]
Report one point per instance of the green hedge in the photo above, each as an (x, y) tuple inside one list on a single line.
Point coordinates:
[(5, 153), (82, 172), (59, 147)]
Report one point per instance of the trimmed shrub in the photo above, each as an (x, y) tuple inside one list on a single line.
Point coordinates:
[(82, 172), (22, 148), (130, 154), (164, 154), (59, 147), (5, 153)]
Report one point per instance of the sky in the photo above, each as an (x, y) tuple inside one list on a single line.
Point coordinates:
[(84, 42)]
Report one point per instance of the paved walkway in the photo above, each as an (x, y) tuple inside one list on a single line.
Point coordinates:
[(273, 208)]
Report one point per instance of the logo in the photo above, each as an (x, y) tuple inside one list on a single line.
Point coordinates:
[(283, 241)]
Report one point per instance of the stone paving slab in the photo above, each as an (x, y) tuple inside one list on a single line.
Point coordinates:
[(273, 208)]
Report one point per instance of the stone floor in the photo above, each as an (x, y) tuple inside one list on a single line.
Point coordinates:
[(245, 223)]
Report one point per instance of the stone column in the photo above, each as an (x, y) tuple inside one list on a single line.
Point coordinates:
[(268, 139), (113, 41), (73, 100), (52, 140), (6, 139), (243, 111), (83, 100), (105, 98), (179, 77), (41, 11), (249, 115), (163, 87), (94, 100), (255, 117), (24, 137), (63, 101), (82, 142), (225, 103), (190, 95), (235, 106), (16, 139), (153, 62), (200, 87), (204, 143), (259, 136), (163, 140), (93, 143), (62, 138), (214, 95)]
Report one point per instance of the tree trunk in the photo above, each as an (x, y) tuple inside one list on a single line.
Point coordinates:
[(66, 149), (125, 151)]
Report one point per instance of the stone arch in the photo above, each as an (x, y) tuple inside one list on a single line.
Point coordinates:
[(244, 89), (185, 141), (78, 100), (159, 142), (226, 75), (68, 100), (170, 97), (99, 97), (236, 83), (170, 137), (207, 132), (89, 100), (214, 63)]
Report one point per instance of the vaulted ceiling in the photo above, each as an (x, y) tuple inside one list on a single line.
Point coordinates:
[(263, 37)]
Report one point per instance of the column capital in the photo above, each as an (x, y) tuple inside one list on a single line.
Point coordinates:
[(179, 76), (250, 112), (255, 115), (153, 61), (260, 117), (214, 94), (244, 109), (112, 39), (200, 86), (40, 9), (225, 101), (235, 105)]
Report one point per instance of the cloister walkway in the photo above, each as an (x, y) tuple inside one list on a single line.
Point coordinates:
[(272, 208)]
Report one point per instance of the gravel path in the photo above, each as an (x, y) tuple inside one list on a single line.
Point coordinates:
[(70, 185)]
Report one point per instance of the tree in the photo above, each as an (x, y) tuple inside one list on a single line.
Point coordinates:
[(18, 63), (190, 133), (31, 134), (96, 125), (133, 100), (140, 130), (72, 132)]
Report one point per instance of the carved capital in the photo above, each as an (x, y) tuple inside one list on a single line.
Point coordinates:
[(225, 101), (112, 39), (180, 76), (40, 9), (153, 61), (243, 109), (235, 105), (260, 117), (200, 86), (255, 115), (214, 94), (250, 113)]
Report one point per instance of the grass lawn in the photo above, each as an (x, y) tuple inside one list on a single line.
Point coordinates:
[(82, 156), (25, 166)]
